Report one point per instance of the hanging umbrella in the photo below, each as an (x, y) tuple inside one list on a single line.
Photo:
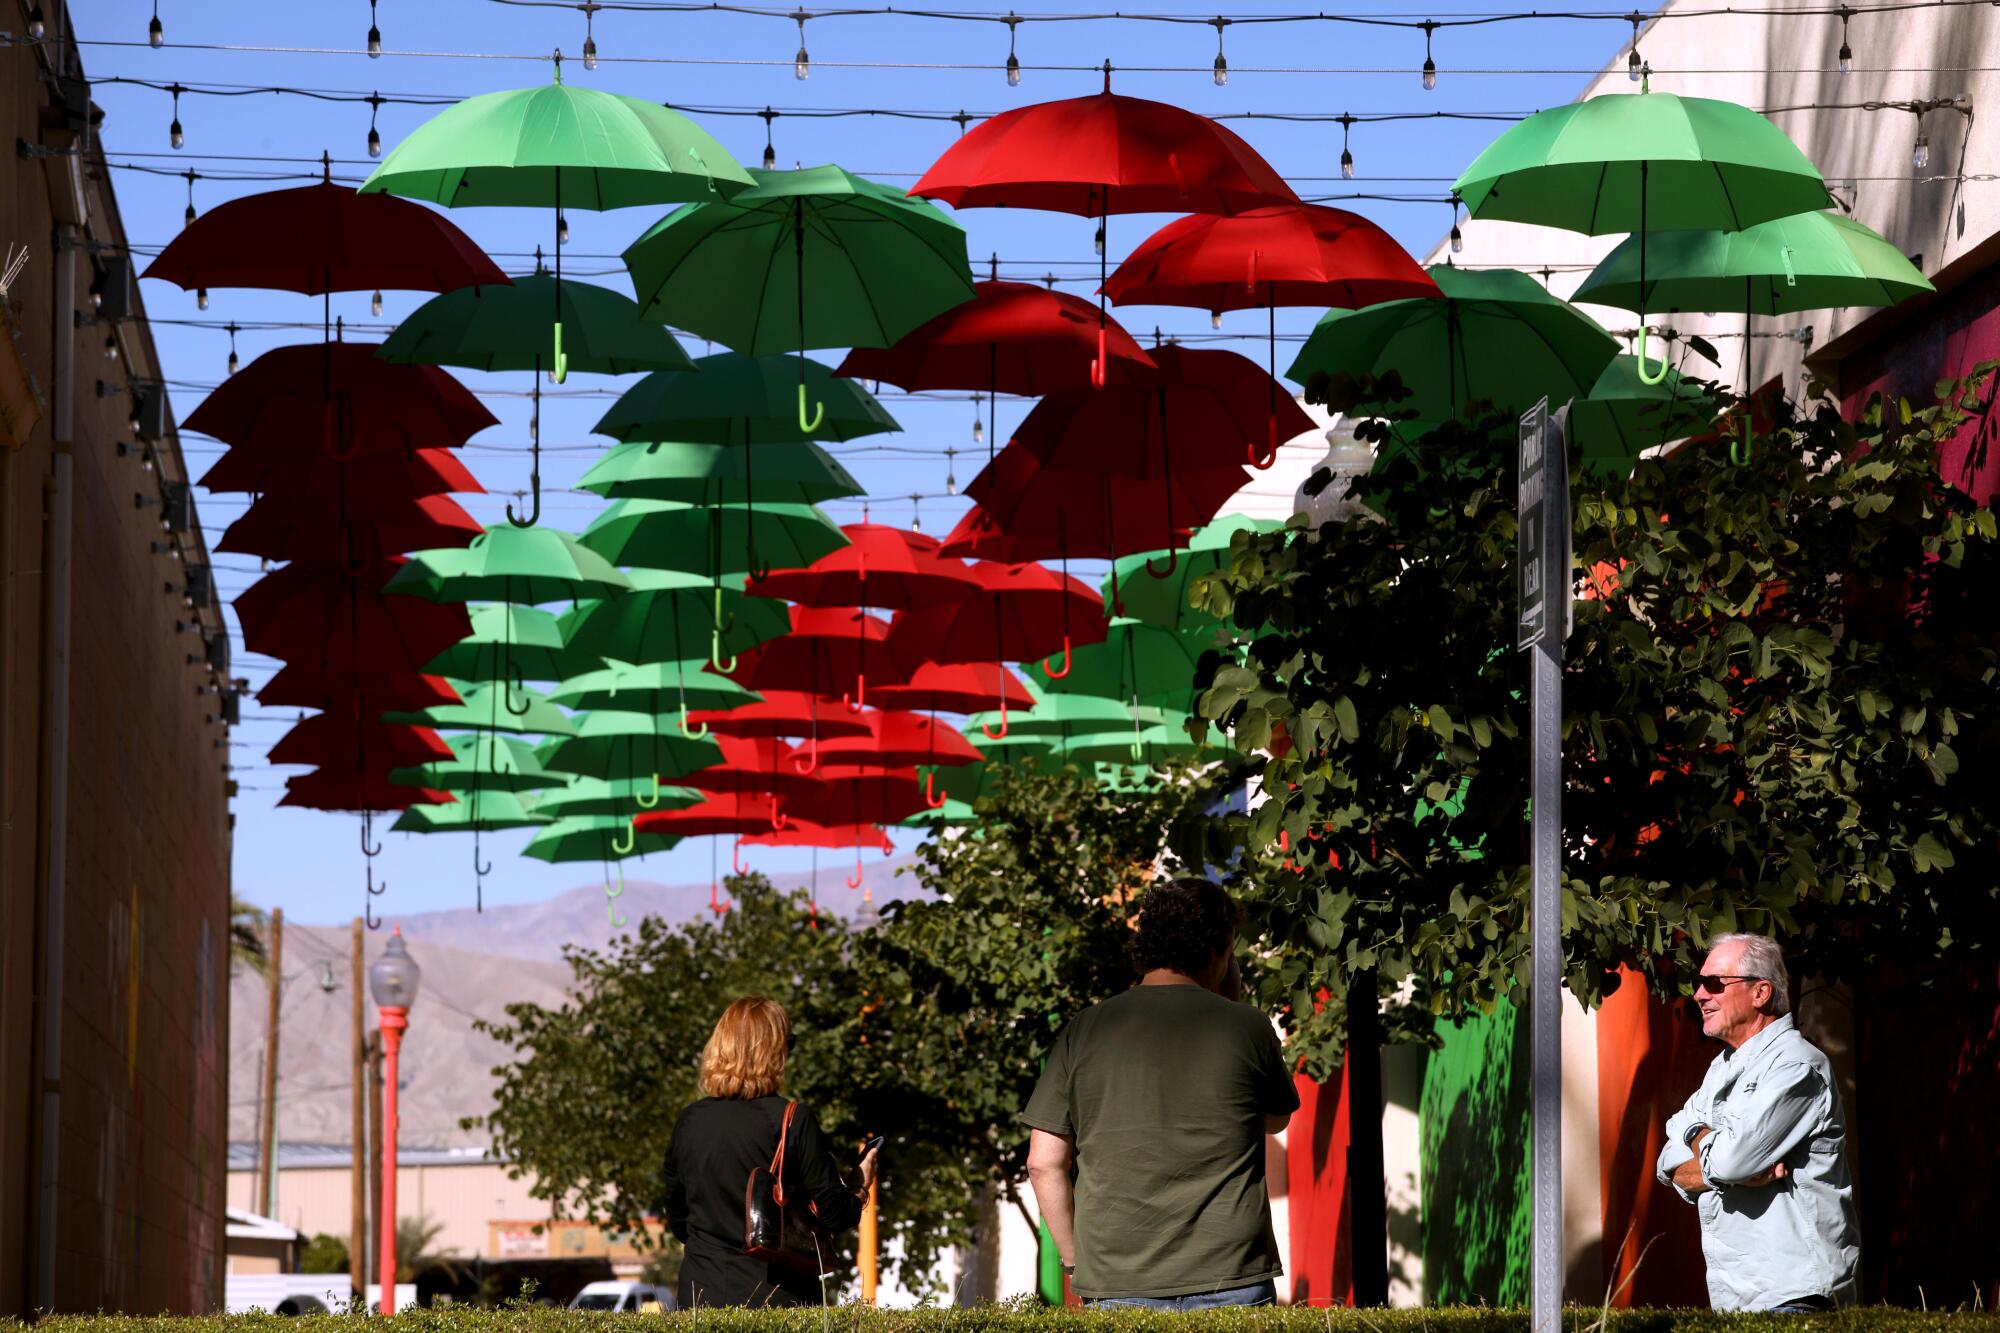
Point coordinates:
[(1497, 336), (723, 813), (671, 616), (1064, 717), (485, 707), (756, 764), (283, 527), (736, 399), (715, 474), (614, 743), (511, 564), (623, 798), (1151, 745), (1623, 416), (341, 396), (881, 566), (594, 838), (960, 687), (863, 794), (896, 739), (329, 789), (656, 687), (312, 472), (698, 539), (1137, 662), (497, 810), (1166, 602), (322, 614), (512, 644), (827, 648), (1011, 337), (1642, 162), (359, 743), (782, 714), (1020, 612), (1292, 254), (306, 684), (798, 833), (482, 762)]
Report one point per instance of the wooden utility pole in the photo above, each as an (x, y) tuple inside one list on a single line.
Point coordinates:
[(375, 1139), (357, 1242), (867, 1256), (267, 1145)]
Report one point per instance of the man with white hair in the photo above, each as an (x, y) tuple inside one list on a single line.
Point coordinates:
[(1761, 1147)]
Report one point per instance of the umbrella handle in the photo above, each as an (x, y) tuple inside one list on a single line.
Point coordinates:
[(780, 821), (859, 699), (631, 835), (1047, 670), (715, 904), (366, 851), (652, 799), (1741, 458), (811, 760), (1268, 459), (688, 731), (368, 913), (526, 702), (819, 413), (534, 504), (610, 892), (736, 865), (477, 868), (611, 914), (854, 880), (988, 732), (560, 364), (1639, 354), (1173, 563), (715, 654), (1097, 367), (374, 892), (932, 800)]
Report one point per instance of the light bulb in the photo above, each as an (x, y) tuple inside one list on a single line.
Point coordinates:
[(1097, 242), (1457, 240), (374, 142), (1846, 59), (375, 304), (950, 484), (1346, 165), (232, 360), (1632, 65), (590, 53), (35, 28), (562, 230), (374, 42), (978, 430), (96, 299), (1215, 319), (1221, 70), (110, 347), (770, 158), (201, 298), (802, 64), (156, 36), (1430, 74), (174, 135), (187, 218), (1920, 156), (1013, 70)]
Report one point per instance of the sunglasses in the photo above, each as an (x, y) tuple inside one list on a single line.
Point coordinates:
[(1716, 982)]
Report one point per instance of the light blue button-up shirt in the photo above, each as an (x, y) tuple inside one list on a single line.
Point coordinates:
[(1771, 1099)]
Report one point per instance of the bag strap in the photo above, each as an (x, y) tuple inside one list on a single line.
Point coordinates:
[(778, 1157)]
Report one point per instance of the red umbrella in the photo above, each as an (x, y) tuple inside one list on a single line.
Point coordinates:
[(305, 684), (882, 566), (1294, 254), (328, 789), (339, 396), (728, 812), (358, 744), (324, 238), (858, 794), (1011, 337), (799, 833), (960, 687), (319, 613), (761, 765), (900, 738), (1020, 612), (827, 647), (279, 527), (782, 713), (294, 470)]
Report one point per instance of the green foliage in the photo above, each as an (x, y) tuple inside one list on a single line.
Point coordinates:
[(415, 1257), (324, 1253), (1756, 735)]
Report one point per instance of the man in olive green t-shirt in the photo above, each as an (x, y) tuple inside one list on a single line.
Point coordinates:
[(1148, 1124)]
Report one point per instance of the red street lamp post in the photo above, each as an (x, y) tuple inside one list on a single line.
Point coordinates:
[(393, 981)]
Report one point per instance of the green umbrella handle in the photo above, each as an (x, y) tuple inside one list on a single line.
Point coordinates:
[(691, 733), (652, 799), (521, 684), (561, 362), (610, 892), (1742, 458), (808, 426), (1639, 354), (715, 654), (631, 840)]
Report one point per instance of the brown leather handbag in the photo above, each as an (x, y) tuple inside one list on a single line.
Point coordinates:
[(777, 1232)]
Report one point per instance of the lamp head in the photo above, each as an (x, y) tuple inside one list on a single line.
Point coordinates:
[(392, 978)]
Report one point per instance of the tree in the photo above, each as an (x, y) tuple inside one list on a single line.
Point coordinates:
[(414, 1256), (247, 924), (324, 1253)]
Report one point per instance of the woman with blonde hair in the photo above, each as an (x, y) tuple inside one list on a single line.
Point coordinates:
[(732, 1131)]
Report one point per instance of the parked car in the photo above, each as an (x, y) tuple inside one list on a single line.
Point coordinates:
[(622, 1296)]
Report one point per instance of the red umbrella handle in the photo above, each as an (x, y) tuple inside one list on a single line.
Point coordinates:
[(854, 880), (780, 821), (859, 699), (1097, 366), (736, 858), (716, 904), (1173, 563), (1050, 671), (988, 732), (1265, 460), (811, 760), (931, 799)]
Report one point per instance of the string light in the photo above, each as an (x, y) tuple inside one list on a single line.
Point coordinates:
[(1920, 155), (951, 470), (156, 36), (232, 349), (187, 218), (1221, 61), (110, 347), (1632, 62), (1013, 61), (1457, 236), (1430, 66), (916, 513), (375, 304), (201, 298), (374, 34), (562, 229), (1215, 319), (770, 153), (589, 38), (36, 30), (374, 135), (801, 63), (1346, 154), (978, 425), (1097, 241), (174, 135), (1846, 51)]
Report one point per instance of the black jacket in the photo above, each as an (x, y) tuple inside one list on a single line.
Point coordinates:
[(717, 1143)]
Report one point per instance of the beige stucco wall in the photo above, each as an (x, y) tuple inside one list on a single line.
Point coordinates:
[(464, 1198)]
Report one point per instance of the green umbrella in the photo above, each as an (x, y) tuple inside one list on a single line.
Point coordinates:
[(510, 564), (1497, 334), (1149, 745), (618, 744), (658, 687), (675, 616), (480, 709), (493, 810), (801, 473), (512, 644), (623, 798), (594, 838), (736, 399), (1165, 602), (1642, 162), (1623, 416), (1814, 261), (1056, 717), (498, 329), (951, 812), (481, 762), (1135, 661), (809, 258), (698, 539)]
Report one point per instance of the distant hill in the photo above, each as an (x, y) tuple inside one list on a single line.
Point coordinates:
[(475, 964)]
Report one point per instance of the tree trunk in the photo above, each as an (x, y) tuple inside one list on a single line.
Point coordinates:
[(1367, 1188)]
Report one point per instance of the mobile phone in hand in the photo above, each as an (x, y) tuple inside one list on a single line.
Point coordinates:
[(874, 1143)]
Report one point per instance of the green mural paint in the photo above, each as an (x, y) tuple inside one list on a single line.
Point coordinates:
[(1474, 1152), (1048, 1275)]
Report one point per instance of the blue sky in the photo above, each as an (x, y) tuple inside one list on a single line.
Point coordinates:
[(309, 862)]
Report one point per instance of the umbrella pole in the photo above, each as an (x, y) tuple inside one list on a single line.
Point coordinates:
[(1167, 479), (560, 363), (1742, 458), (1645, 375), (535, 445), (807, 425), (757, 573), (1111, 543), (1099, 372), (1270, 457), (992, 394)]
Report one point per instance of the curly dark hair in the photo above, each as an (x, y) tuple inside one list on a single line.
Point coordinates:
[(1183, 925)]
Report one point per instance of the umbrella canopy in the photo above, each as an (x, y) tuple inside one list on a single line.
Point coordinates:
[(312, 472), (839, 262), (1624, 416), (485, 707), (895, 739), (799, 833), (1292, 254), (1151, 745), (1135, 661), (321, 613), (724, 813), (511, 564), (1497, 335), (700, 539), (359, 744), (756, 764), (960, 687), (330, 789), (713, 474), (337, 395), (483, 762), (618, 744), (500, 328), (1165, 601), (1812, 261), (623, 798), (594, 838), (656, 687), (294, 527), (512, 643), (828, 649), (306, 684), (492, 811), (323, 238), (783, 713), (881, 566), (1642, 162), (1063, 717), (737, 399), (1019, 612), (1025, 510), (671, 616), (863, 795)]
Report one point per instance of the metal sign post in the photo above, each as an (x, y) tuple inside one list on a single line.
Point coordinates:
[(1543, 581)]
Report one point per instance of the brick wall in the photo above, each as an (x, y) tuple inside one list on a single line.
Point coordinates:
[(140, 1134)]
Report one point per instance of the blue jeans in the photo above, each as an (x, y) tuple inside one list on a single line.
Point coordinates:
[(1257, 1293)]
